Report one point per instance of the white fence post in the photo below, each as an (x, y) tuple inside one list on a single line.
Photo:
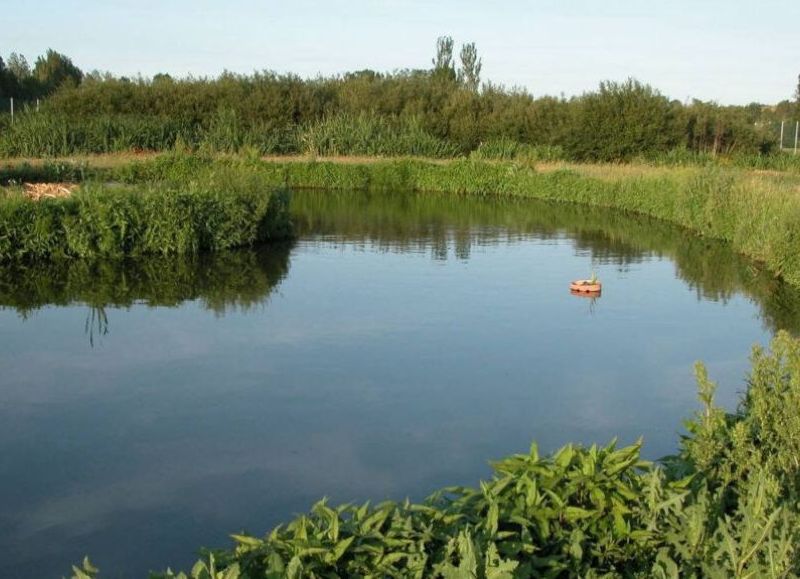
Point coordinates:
[(780, 147), (12, 110), (796, 134)]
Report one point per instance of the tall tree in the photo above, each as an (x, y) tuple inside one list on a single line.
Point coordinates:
[(54, 69), (470, 73), (443, 66), (16, 79), (6, 81), (18, 66), (797, 96)]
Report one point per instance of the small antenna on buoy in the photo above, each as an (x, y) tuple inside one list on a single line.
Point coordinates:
[(588, 287)]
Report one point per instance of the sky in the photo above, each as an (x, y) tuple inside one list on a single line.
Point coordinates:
[(732, 52)]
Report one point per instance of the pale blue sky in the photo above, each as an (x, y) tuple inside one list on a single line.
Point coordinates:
[(728, 51)]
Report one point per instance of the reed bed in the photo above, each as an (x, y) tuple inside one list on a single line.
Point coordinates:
[(367, 134), (506, 149), (759, 216), (220, 208), (50, 135), (758, 213)]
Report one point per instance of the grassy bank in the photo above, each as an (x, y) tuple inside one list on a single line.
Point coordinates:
[(759, 215), (757, 212), (217, 208), (725, 506)]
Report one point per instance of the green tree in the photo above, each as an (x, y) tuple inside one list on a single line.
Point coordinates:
[(6, 81), (54, 69), (19, 67), (797, 96), (622, 120), (162, 78), (443, 66), (470, 73), (16, 79)]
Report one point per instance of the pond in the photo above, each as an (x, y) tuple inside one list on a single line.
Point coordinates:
[(150, 407)]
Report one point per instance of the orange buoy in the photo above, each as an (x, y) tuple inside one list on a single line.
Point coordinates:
[(586, 286)]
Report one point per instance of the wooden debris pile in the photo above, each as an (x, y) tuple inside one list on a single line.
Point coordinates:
[(38, 191)]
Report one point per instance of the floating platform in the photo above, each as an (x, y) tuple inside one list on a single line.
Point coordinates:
[(586, 286)]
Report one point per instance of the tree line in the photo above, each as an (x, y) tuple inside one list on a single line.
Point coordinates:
[(50, 71), (449, 102)]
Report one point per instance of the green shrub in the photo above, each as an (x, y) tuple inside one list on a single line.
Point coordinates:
[(622, 120)]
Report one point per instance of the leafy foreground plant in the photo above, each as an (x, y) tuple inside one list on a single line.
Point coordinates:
[(725, 506)]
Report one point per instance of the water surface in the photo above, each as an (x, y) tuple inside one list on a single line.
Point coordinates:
[(149, 407)]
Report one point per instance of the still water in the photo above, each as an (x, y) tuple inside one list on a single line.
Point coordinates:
[(151, 407)]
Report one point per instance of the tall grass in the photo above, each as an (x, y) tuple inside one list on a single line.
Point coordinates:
[(368, 134), (681, 157), (221, 209), (49, 171), (50, 135), (228, 133), (505, 149), (47, 134), (758, 215)]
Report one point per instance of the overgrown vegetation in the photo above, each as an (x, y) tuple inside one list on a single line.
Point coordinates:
[(758, 214), (442, 111), (725, 506), (50, 71), (216, 208)]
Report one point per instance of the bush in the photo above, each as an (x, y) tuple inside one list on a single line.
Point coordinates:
[(620, 121)]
